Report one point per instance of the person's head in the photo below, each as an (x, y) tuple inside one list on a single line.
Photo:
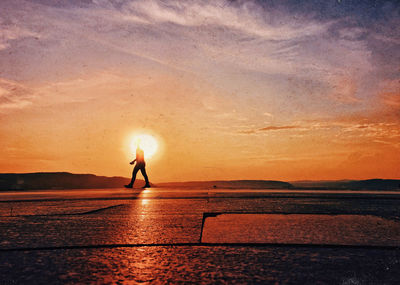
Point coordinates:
[(138, 144)]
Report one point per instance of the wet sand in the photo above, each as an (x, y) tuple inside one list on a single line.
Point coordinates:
[(199, 235)]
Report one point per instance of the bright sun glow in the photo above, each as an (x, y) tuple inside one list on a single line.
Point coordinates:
[(146, 142)]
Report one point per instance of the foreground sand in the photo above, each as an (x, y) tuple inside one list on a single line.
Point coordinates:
[(161, 235)]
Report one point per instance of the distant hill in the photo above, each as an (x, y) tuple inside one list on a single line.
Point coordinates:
[(65, 180), (233, 184), (60, 180), (370, 184)]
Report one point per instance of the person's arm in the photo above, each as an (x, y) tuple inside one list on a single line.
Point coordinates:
[(133, 161)]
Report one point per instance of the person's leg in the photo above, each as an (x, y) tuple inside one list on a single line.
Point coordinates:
[(134, 172), (143, 170)]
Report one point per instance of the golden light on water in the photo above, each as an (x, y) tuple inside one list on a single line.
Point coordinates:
[(147, 143)]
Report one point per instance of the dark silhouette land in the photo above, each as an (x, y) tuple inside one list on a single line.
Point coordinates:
[(65, 180), (59, 180), (140, 165)]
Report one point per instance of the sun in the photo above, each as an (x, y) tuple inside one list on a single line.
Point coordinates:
[(146, 142)]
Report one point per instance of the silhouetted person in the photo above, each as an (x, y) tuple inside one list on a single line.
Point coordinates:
[(140, 165)]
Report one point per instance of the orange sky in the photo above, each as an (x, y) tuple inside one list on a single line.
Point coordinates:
[(228, 94)]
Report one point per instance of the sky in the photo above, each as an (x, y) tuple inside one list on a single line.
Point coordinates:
[(274, 90)]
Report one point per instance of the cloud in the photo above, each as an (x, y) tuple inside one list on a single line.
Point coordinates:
[(269, 128), (248, 132), (274, 128), (392, 99), (390, 93), (343, 130), (191, 34), (351, 33), (215, 40), (344, 89), (11, 31), (245, 16), (14, 95)]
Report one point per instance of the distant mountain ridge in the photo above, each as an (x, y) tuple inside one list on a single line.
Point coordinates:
[(59, 180), (369, 184), (66, 180)]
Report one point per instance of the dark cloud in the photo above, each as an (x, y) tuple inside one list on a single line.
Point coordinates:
[(269, 128), (63, 3), (361, 11), (275, 128)]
